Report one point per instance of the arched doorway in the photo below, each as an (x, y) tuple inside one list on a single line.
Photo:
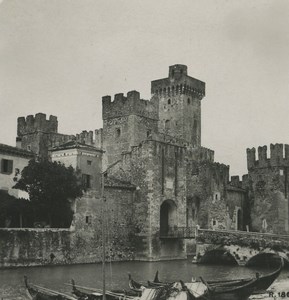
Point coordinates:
[(168, 216)]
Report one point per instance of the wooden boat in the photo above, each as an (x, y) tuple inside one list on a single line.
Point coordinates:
[(137, 286), (35, 292), (96, 294), (234, 292), (177, 291), (262, 284)]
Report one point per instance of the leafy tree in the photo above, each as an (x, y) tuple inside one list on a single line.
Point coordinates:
[(14, 212), (51, 187)]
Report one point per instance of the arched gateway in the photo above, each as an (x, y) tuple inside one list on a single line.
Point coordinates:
[(168, 216)]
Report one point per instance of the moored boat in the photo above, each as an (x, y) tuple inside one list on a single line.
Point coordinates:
[(87, 293), (261, 285), (36, 292)]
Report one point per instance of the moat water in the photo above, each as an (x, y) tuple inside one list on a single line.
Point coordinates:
[(90, 275)]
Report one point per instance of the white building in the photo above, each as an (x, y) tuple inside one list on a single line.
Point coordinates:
[(12, 162)]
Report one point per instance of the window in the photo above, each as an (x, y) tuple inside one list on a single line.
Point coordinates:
[(149, 132), (216, 196), (169, 101), (281, 172), (6, 166), (189, 100), (86, 181), (89, 162), (29, 147), (167, 124), (117, 132), (88, 220)]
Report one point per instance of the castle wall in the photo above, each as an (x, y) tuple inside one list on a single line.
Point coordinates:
[(206, 194), (126, 122), (158, 171), (39, 142), (236, 209), (268, 187), (82, 243)]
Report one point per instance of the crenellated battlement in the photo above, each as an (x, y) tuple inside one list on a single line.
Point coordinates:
[(132, 104), (85, 137), (31, 124), (279, 156), (201, 154), (178, 83)]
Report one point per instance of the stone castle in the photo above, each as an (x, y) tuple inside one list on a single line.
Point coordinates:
[(160, 182)]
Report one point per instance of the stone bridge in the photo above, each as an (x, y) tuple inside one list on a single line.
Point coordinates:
[(241, 247)]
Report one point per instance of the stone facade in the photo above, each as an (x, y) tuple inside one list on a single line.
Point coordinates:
[(179, 98), (154, 147), (158, 177), (267, 182)]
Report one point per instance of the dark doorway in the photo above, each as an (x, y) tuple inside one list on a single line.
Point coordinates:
[(167, 216)]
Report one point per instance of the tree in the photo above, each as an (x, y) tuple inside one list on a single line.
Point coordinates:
[(51, 187), (14, 212)]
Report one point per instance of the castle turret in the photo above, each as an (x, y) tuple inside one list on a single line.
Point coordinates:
[(127, 121), (268, 181), (179, 100)]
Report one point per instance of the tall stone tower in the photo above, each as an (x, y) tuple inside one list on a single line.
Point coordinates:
[(179, 97), (268, 185), (127, 121), (37, 134)]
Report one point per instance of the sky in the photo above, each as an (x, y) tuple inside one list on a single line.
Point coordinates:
[(60, 57)]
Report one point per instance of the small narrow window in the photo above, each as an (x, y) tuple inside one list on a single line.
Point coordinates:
[(88, 220), (117, 132), (281, 172), (149, 133), (189, 100), (169, 101)]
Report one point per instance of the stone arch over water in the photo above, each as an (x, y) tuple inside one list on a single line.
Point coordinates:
[(218, 256)]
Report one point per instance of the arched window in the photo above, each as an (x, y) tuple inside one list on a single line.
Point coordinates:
[(167, 124)]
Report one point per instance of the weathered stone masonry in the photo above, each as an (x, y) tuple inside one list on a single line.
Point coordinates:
[(158, 177)]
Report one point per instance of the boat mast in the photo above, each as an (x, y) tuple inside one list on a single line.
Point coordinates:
[(103, 236)]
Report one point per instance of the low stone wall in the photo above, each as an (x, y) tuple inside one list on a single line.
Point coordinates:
[(253, 240), (34, 247)]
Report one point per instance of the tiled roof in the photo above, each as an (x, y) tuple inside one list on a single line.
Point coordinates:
[(6, 149), (74, 144)]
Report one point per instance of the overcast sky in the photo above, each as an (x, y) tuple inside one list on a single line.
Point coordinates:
[(61, 56)]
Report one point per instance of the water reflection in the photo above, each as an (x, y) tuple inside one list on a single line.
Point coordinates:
[(11, 280)]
